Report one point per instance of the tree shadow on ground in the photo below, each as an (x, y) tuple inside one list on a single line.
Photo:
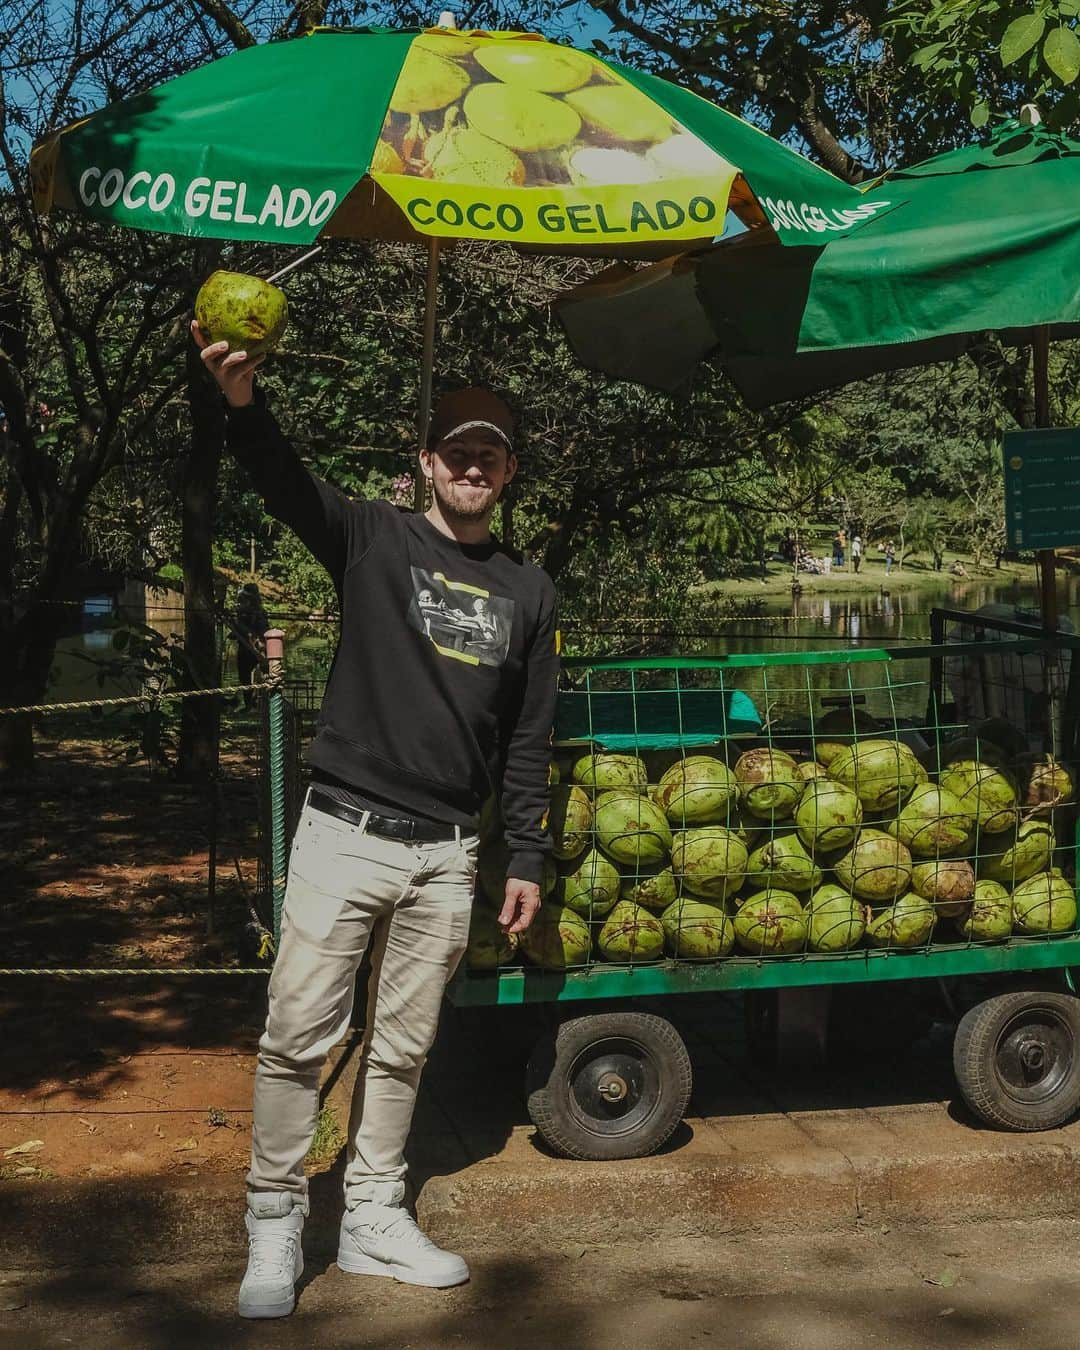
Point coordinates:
[(107, 867), (605, 1299)]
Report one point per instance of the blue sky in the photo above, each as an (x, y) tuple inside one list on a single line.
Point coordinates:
[(590, 24), (585, 23)]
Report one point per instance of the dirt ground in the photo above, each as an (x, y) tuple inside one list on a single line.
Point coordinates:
[(106, 865), (995, 1286), (106, 862)]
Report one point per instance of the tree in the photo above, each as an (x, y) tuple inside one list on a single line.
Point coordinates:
[(870, 501), (991, 58), (929, 529)]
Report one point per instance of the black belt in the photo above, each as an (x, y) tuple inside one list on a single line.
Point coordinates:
[(392, 827)]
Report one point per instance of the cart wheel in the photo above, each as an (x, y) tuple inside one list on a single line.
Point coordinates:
[(610, 1085), (1017, 1059)]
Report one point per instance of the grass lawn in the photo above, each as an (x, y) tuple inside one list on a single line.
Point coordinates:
[(917, 574)]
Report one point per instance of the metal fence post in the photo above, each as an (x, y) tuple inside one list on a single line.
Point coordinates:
[(275, 660)]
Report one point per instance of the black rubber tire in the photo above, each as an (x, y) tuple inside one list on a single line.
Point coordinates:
[(1017, 1059), (638, 1055)]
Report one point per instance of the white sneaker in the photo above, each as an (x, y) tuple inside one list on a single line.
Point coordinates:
[(384, 1240), (275, 1256)]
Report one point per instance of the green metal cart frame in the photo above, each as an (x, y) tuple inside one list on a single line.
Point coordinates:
[(597, 1087)]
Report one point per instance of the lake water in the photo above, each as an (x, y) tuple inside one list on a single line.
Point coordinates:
[(811, 621)]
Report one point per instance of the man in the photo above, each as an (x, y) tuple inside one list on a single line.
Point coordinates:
[(418, 724), (249, 624), (856, 553)]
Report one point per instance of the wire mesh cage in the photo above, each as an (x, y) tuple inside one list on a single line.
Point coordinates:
[(803, 809)]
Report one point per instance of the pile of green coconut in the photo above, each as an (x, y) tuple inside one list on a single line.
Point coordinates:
[(819, 847)]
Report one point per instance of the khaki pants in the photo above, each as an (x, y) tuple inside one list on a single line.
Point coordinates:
[(345, 888)]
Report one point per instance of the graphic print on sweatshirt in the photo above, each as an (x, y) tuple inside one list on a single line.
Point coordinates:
[(462, 621)]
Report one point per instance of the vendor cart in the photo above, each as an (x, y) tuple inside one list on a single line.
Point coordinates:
[(613, 1079)]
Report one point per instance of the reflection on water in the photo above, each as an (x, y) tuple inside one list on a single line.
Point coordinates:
[(814, 620), (898, 688), (888, 617)]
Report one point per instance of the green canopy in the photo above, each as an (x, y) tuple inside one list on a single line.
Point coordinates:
[(982, 238), (438, 134)]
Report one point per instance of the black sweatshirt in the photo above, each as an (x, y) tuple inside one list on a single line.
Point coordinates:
[(443, 685)]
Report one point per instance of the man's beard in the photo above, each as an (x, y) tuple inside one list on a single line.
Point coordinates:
[(454, 504)]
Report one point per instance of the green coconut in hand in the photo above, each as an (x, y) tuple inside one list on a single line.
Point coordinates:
[(244, 311), (771, 923), (882, 773), (631, 934), (697, 930), (907, 922), (837, 921), (783, 864), (828, 815), (932, 823), (697, 790), (876, 868), (1044, 903), (556, 939), (989, 916), (769, 783), (591, 888), (710, 861)]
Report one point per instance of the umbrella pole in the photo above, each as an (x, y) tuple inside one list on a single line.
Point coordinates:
[(427, 365), (1040, 349)]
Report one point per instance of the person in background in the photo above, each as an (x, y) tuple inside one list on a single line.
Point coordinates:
[(890, 554), (249, 625), (856, 552), (838, 549)]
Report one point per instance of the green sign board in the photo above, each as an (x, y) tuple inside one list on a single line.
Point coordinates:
[(1042, 488)]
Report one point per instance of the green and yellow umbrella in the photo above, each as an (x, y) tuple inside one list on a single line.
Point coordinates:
[(453, 135), (436, 135)]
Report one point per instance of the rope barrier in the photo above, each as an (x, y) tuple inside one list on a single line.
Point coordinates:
[(129, 699), (70, 972)]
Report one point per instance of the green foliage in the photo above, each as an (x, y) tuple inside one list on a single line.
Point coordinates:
[(991, 58), (627, 497), (930, 528), (155, 663)]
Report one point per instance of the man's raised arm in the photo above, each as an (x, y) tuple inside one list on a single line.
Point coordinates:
[(321, 516)]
